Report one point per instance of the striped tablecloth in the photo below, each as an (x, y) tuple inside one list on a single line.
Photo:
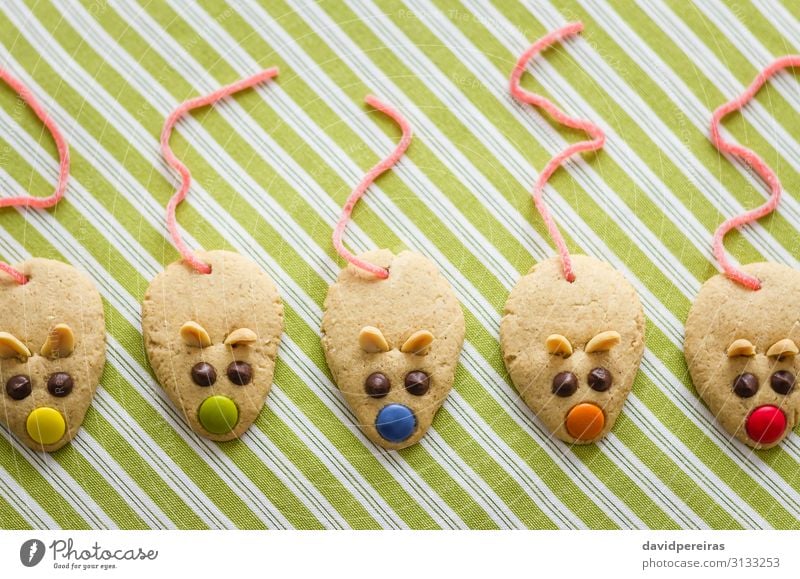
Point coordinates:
[(274, 165)]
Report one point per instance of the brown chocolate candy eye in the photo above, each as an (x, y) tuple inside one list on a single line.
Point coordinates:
[(565, 384), (782, 381), (240, 373), (600, 379), (377, 385), (204, 374), (745, 385), (60, 384), (18, 387), (417, 382)]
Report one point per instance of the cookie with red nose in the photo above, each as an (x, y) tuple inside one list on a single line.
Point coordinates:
[(212, 340), (572, 349), (52, 352), (741, 348), (393, 344)]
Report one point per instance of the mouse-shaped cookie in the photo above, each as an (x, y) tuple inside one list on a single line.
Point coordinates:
[(572, 333), (392, 330), (393, 344), (52, 351), (741, 347), (742, 331), (212, 321), (212, 340), (572, 349)]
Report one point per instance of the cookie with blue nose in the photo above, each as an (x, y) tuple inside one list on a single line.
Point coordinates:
[(212, 340), (52, 352), (392, 344)]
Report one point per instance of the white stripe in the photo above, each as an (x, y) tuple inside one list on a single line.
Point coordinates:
[(724, 497), (112, 471), (481, 493), (23, 503), (498, 449), (372, 502), (671, 504)]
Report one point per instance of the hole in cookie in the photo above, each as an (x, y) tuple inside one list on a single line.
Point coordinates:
[(417, 383), (565, 384), (18, 387), (204, 374), (745, 385), (782, 382), (240, 373)]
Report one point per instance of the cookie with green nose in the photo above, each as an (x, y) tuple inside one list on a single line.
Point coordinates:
[(52, 352), (212, 340)]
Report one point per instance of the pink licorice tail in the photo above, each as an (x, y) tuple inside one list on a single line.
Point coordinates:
[(597, 141), (63, 155), (386, 164), (187, 254), (757, 163)]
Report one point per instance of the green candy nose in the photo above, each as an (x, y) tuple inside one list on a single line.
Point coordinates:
[(218, 414)]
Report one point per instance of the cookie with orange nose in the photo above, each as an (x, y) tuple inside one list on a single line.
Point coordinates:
[(741, 348), (572, 349), (393, 344), (212, 340), (52, 352)]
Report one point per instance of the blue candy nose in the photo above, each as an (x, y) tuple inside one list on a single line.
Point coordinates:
[(395, 422)]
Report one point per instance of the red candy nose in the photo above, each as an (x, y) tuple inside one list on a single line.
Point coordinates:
[(766, 424)]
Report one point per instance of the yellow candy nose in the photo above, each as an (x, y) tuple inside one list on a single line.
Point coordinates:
[(46, 425)]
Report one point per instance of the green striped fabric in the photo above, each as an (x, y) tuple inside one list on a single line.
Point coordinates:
[(273, 166)]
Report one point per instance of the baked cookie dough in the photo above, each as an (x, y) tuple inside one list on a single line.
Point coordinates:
[(212, 340), (52, 352), (741, 349), (573, 349), (392, 344)]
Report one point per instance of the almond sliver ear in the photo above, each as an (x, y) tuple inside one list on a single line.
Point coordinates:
[(603, 342), (558, 345), (417, 342), (241, 337), (193, 334), (11, 347), (783, 348), (60, 342), (741, 347), (372, 341)]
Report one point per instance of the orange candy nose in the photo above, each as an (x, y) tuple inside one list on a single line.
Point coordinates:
[(585, 421)]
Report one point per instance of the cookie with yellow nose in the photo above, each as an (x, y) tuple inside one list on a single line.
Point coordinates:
[(573, 349), (52, 352), (212, 340), (393, 344)]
